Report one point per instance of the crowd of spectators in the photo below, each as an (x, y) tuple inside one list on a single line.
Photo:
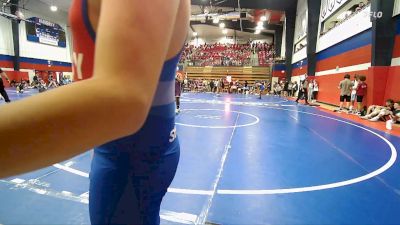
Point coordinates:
[(352, 11), (351, 92), (227, 54), (221, 85), (39, 83)]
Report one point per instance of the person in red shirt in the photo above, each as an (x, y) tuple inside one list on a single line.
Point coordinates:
[(360, 92)]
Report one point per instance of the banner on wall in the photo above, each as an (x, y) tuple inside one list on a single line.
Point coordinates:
[(396, 9), (301, 20), (45, 32), (301, 26), (330, 6)]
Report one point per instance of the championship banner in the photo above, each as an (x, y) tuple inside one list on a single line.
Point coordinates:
[(45, 32)]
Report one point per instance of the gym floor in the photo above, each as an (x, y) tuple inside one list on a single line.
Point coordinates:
[(243, 161)]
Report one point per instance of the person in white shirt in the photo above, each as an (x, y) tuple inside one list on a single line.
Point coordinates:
[(315, 90), (310, 91), (353, 92)]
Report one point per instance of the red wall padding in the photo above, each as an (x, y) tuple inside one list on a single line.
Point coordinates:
[(376, 80), (393, 83), (300, 71), (278, 73), (383, 83), (15, 75), (6, 64), (396, 48), (328, 86), (350, 58)]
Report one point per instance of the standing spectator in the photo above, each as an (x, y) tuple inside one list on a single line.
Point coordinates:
[(278, 89), (345, 91), (310, 91), (246, 87), (230, 84), (269, 88), (303, 90), (217, 83), (290, 88), (35, 80), (360, 92), (2, 90), (295, 88), (285, 89), (353, 92), (178, 92), (222, 84), (212, 86), (205, 85), (262, 88), (185, 83), (315, 90)]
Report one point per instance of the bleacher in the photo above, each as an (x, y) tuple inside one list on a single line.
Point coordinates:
[(251, 74)]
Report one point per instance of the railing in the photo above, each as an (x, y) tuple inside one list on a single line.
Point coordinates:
[(347, 18)]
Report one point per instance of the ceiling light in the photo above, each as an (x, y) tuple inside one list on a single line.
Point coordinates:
[(222, 25), (53, 8), (216, 20), (263, 18), (224, 31)]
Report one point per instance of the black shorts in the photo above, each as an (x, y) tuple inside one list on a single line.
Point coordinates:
[(359, 98), (345, 97)]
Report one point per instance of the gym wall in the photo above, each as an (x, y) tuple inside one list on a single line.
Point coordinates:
[(35, 56), (347, 49)]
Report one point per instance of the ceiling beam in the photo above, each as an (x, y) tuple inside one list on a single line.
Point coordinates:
[(235, 25), (247, 30), (279, 5)]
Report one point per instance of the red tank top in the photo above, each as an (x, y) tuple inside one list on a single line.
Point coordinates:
[(83, 37)]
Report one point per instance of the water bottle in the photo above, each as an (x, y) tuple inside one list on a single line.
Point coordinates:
[(389, 124)]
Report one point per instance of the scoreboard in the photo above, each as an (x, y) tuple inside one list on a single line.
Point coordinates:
[(45, 32)]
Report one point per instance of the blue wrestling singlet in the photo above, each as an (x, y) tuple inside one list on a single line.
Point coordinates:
[(129, 176)]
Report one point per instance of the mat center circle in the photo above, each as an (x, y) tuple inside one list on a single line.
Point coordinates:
[(215, 118)]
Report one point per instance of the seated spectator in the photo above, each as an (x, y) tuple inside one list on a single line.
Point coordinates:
[(21, 87), (395, 116), (225, 54), (376, 112), (13, 83), (360, 6)]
